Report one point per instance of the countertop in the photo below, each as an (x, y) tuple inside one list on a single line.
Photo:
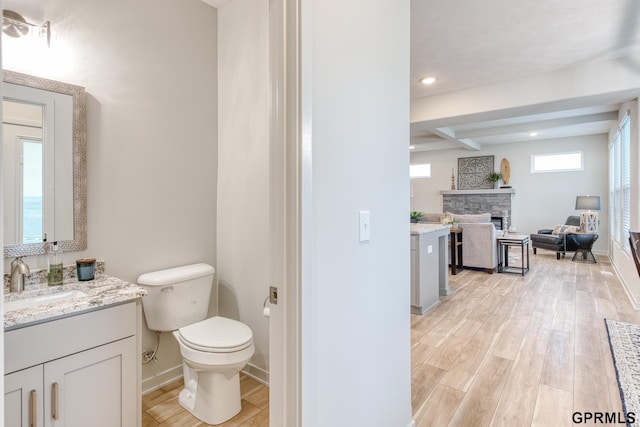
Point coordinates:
[(423, 228), (101, 292)]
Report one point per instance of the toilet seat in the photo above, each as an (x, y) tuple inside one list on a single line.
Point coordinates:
[(216, 335)]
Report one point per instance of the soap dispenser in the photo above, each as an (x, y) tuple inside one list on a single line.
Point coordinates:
[(55, 266)]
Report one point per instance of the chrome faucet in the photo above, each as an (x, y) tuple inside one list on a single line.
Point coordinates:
[(18, 270)]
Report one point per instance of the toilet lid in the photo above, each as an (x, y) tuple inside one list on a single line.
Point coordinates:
[(217, 335)]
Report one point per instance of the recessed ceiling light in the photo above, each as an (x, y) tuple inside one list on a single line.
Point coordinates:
[(533, 133), (411, 147), (428, 80)]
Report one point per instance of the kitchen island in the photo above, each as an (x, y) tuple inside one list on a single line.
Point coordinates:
[(429, 275)]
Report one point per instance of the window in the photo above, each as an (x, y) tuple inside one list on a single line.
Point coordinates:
[(31, 189), (620, 184), (420, 171), (557, 162)]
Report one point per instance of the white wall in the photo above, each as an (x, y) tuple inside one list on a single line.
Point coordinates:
[(622, 261), (149, 68), (355, 296), (243, 170), (542, 200)]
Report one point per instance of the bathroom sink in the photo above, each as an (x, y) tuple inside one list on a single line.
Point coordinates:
[(42, 299)]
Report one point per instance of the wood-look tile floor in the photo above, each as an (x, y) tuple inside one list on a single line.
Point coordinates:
[(507, 350), (502, 350), (160, 408)]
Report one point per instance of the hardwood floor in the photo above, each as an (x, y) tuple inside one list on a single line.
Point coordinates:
[(507, 350), (160, 408), (502, 350)]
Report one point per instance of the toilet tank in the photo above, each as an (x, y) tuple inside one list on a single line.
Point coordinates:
[(176, 297)]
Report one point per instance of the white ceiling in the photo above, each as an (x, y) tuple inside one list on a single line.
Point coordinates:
[(470, 43)]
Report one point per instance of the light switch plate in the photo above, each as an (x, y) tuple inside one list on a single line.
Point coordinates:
[(365, 226)]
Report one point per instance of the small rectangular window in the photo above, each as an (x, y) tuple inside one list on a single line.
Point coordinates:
[(557, 162), (420, 171)]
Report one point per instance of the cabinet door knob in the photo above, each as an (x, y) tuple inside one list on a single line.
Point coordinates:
[(54, 401), (34, 408)]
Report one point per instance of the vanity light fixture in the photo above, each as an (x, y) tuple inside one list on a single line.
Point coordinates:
[(429, 80), (14, 25)]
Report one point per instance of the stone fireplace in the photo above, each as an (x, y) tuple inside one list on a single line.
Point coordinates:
[(496, 202)]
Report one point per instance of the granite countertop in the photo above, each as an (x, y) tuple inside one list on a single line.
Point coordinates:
[(101, 292), (423, 228)]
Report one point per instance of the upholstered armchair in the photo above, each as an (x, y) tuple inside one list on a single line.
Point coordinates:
[(634, 241), (545, 239), (479, 244)]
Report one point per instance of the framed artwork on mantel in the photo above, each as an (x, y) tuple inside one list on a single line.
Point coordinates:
[(473, 172)]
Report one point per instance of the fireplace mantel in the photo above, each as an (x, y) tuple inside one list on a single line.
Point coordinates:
[(479, 191)]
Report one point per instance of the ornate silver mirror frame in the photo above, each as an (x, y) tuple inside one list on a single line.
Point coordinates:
[(79, 241)]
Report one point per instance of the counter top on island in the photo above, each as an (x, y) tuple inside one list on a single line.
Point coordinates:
[(423, 228)]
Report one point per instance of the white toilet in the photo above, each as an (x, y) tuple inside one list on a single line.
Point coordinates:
[(213, 350)]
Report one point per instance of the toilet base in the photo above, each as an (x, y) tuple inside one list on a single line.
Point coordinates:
[(209, 396)]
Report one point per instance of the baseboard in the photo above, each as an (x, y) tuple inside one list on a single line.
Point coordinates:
[(420, 310), (257, 374), (160, 380), (625, 286)]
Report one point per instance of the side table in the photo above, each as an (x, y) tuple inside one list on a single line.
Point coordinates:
[(583, 243), (455, 242), (503, 253)]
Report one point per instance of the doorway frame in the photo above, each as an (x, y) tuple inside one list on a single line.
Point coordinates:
[(285, 150)]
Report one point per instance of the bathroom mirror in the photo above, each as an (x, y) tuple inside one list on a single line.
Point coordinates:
[(44, 164)]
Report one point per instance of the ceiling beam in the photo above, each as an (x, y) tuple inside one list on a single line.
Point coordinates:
[(449, 134), (536, 126), (443, 144), (425, 139), (607, 81)]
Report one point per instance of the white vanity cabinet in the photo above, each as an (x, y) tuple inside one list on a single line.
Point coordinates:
[(92, 388), (23, 398), (80, 371)]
